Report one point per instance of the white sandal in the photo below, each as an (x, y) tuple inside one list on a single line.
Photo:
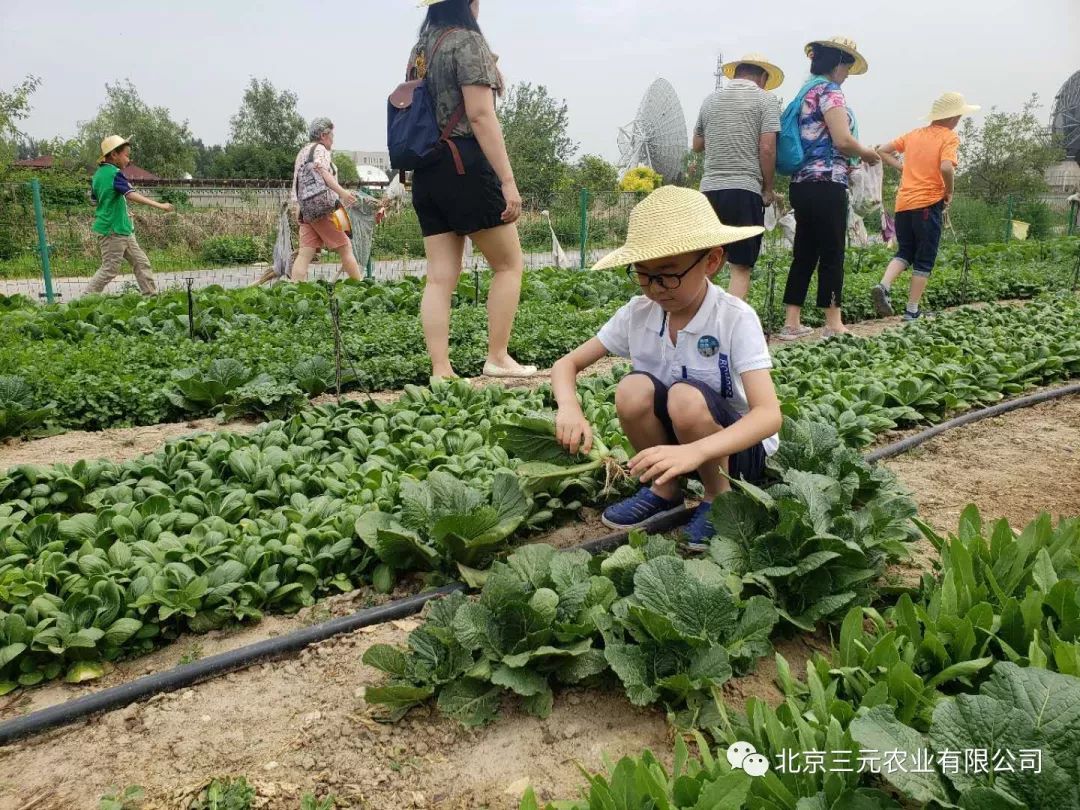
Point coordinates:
[(492, 370)]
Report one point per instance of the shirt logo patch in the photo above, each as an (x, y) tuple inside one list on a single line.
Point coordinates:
[(708, 346)]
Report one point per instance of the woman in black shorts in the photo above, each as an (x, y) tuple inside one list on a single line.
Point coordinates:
[(470, 191)]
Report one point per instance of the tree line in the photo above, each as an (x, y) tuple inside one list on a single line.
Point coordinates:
[(1007, 153)]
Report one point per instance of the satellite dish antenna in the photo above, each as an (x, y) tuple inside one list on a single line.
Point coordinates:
[(657, 137), (1066, 116)]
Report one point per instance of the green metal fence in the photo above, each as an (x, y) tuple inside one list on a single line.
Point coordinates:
[(225, 235)]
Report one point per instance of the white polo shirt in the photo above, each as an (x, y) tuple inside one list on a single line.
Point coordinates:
[(722, 342)]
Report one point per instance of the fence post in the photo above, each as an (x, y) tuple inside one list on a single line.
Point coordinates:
[(583, 229), (43, 240), (1074, 215), (1008, 219), (770, 295), (1076, 270), (190, 309), (965, 275)]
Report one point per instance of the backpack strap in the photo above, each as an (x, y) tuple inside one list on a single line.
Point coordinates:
[(456, 115)]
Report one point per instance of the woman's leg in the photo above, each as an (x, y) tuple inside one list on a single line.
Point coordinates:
[(804, 254), (444, 253), (348, 262), (303, 259), (502, 249), (832, 213)]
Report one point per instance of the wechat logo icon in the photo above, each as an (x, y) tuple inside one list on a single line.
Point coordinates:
[(744, 756)]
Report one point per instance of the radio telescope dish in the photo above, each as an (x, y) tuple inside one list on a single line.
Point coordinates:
[(1066, 117), (657, 137)]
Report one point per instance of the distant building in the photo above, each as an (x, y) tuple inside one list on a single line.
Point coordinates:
[(40, 162), (380, 160), (1064, 177), (132, 172)]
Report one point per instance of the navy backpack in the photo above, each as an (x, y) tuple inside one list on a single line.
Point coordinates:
[(412, 130)]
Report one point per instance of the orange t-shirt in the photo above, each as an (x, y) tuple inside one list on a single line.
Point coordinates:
[(924, 151)]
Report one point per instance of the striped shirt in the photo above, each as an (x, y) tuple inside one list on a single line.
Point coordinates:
[(732, 122)]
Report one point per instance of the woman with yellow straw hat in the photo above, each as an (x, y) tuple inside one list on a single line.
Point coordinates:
[(700, 397), (819, 186), (470, 191)]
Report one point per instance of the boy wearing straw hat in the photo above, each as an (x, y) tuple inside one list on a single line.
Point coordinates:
[(736, 129), (111, 191), (700, 397), (926, 187)]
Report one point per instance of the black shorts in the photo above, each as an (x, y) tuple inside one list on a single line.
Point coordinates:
[(448, 202), (736, 206), (918, 237), (749, 464)]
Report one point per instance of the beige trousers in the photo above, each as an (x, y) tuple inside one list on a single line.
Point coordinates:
[(114, 249)]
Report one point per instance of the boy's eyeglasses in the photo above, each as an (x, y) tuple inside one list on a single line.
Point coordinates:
[(664, 281)]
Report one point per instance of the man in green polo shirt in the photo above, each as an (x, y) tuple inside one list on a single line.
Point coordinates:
[(111, 191)]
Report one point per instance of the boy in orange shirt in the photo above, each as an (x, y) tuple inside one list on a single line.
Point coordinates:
[(926, 187)]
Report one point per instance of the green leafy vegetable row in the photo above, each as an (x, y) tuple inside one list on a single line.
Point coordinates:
[(107, 361), (215, 529), (668, 628), (99, 560), (980, 659), (970, 358)]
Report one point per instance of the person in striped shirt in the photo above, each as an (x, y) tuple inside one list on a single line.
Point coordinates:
[(737, 130)]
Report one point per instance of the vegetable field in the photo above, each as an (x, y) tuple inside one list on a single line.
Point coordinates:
[(829, 615), (104, 362)]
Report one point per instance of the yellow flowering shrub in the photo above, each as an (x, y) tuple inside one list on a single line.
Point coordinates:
[(641, 179)]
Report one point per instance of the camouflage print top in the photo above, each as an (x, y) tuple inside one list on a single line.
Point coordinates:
[(463, 59)]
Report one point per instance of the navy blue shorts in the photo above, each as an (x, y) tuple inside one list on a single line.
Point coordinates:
[(748, 464), (918, 236)]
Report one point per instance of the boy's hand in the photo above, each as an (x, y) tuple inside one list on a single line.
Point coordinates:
[(166, 207), (666, 462), (573, 430)]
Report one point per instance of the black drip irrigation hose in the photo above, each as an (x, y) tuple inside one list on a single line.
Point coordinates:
[(911, 442), (187, 674), (117, 697)]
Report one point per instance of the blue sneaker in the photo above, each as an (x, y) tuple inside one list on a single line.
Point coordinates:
[(638, 508), (700, 530), (918, 314)]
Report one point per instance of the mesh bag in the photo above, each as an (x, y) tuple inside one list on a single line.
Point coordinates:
[(283, 246), (362, 216), (865, 183)]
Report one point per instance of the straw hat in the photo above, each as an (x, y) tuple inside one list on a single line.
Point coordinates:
[(111, 144), (847, 46), (949, 104), (776, 75), (672, 221)]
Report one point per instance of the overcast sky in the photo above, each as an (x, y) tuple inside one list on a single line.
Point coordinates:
[(195, 57)]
